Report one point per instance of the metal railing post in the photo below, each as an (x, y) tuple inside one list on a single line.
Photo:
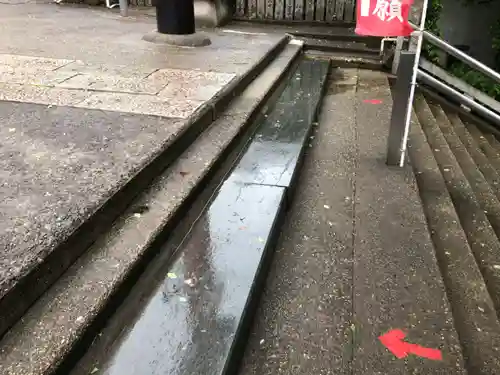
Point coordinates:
[(400, 110), (397, 53)]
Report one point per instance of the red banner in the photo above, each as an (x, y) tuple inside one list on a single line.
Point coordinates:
[(383, 17)]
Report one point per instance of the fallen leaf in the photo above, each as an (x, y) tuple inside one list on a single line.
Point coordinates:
[(171, 275), (183, 173)]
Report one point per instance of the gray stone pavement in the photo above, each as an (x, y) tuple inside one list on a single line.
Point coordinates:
[(85, 103), (354, 259)]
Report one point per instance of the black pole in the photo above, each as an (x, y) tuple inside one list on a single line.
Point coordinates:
[(175, 17)]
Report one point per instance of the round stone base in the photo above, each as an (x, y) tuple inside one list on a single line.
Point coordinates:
[(189, 40)]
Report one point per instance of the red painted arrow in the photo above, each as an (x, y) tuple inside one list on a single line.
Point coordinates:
[(373, 101), (393, 340)]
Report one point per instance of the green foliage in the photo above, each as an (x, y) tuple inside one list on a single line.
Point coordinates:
[(458, 68), (430, 52), (476, 79)]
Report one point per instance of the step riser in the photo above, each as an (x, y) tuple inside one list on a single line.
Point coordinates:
[(488, 171), (37, 282), (349, 51), (346, 61), (372, 42), (297, 22), (488, 150)]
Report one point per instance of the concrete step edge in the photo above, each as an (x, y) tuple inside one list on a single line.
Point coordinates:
[(472, 308), (72, 310), (494, 142), (345, 60), (369, 41), (340, 46), (489, 172), (490, 152)]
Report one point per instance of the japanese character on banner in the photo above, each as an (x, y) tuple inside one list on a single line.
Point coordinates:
[(383, 18)]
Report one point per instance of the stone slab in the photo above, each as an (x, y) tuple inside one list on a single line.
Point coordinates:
[(58, 165), (274, 154), (41, 94), (31, 62), (303, 324), (100, 37), (397, 282), (180, 92), (200, 308), (141, 104), (32, 76)]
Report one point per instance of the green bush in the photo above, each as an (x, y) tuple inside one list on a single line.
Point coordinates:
[(458, 68)]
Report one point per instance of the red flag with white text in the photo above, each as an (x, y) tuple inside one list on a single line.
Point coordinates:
[(383, 18)]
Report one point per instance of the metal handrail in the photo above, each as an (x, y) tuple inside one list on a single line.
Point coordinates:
[(438, 85), (473, 63)]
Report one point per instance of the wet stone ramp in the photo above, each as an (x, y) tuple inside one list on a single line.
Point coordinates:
[(196, 320)]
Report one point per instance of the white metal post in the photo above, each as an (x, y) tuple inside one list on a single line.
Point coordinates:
[(418, 52)]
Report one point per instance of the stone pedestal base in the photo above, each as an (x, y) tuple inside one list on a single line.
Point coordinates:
[(189, 40)]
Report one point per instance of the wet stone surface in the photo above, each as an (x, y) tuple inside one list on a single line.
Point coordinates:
[(190, 323), (273, 155), (57, 166)]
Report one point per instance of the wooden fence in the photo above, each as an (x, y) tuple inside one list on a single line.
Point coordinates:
[(297, 10)]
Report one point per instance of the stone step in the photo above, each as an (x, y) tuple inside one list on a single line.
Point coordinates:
[(38, 261), (338, 36), (348, 60), (486, 147), (347, 47), (489, 172), (67, 317), (202, 307), (465, 243)]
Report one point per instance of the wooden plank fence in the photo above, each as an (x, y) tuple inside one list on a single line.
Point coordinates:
[(297, 10), (289, 10)]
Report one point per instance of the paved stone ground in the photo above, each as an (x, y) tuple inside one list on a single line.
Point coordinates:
[(93, 58), (355, 259), (84, 104)]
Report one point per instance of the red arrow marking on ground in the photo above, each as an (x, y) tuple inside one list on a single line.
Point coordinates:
[(372, 101), (393, 340)]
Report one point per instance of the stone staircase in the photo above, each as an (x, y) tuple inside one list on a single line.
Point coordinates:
[(169, 279), (454, 163)]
